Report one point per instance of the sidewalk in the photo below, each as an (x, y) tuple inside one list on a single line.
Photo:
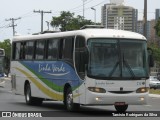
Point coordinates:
[(7, 78)]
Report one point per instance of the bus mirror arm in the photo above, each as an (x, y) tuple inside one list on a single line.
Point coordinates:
[(150, 57), (151, 61)]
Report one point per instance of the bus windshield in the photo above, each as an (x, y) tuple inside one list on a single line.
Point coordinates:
[(117, 59)]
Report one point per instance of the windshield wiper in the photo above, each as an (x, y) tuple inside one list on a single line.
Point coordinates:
[(129, 67), (114, 68), (117, 63)]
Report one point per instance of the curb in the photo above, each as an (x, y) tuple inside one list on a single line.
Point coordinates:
[(7, 78), (154, 95)]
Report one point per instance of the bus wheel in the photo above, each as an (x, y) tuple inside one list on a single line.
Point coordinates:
[(121, 108), (29, 99), (69, 101)]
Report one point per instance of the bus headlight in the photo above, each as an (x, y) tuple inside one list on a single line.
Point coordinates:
[(97, 90), (142, 90)]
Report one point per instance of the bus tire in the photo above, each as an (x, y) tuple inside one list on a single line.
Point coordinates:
[(70, 106), (121, 108), (29, 99)]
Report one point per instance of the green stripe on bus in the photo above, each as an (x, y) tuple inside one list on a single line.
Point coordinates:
[(41, 87), (45, 90), (47, 82)]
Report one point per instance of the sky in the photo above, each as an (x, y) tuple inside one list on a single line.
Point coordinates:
[(30, 22)]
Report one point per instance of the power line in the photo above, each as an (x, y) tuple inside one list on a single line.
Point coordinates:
[(80, 10), (27, 14), (42, 12), (99, 3), (1, 22), (13, 25), (77, 11), (5, 26), (88, 8), (148, 12), (80, 5)]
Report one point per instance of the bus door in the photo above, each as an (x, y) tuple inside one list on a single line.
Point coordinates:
[(80, 64)]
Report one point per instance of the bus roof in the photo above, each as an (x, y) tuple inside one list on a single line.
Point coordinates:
[(87, 33)]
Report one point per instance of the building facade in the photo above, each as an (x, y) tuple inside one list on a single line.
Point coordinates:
[(157, 14), (140, 26), (157, 17), (118, 16), (153, 37)]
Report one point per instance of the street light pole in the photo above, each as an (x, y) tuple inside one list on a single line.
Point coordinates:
[(83, 7), (94, 14), (47, 25)]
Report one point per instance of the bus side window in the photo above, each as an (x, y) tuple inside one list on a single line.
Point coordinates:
[(17, 50), (52, 49), (68, 44), (39, 54), (14, 51), (29, 50), (79, 58), (22, 50), (61, 45)]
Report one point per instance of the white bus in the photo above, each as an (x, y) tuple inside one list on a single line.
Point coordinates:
[(2, 55), (82, 67)]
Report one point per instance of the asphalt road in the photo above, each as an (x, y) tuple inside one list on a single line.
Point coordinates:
[(16, 103)]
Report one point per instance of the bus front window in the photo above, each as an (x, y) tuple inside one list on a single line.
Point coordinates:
[(117, 59)]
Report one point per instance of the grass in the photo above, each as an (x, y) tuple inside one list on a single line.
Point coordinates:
[(152, 91)]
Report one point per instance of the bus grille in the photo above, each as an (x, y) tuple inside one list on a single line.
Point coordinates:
[(120, 92)]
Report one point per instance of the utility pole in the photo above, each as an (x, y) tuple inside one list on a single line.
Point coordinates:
[(145, 19), (13, 25), (42, 12)]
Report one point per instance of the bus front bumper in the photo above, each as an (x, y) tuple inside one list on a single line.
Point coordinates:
[(112, 99)]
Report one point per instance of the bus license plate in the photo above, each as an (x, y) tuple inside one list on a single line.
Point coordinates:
[(119, 103)]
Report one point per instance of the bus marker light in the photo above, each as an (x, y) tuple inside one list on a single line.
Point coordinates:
[(142, 98), (97, 90), (97, 99), (142, 90)]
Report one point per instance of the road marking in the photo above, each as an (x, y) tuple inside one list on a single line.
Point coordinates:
[(7, 78), (148, 105), (154, 97), (10, 91)]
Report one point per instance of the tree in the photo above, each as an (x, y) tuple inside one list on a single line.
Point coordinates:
[(157, 27), (6, 45), (67, 22), (156, 52)]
